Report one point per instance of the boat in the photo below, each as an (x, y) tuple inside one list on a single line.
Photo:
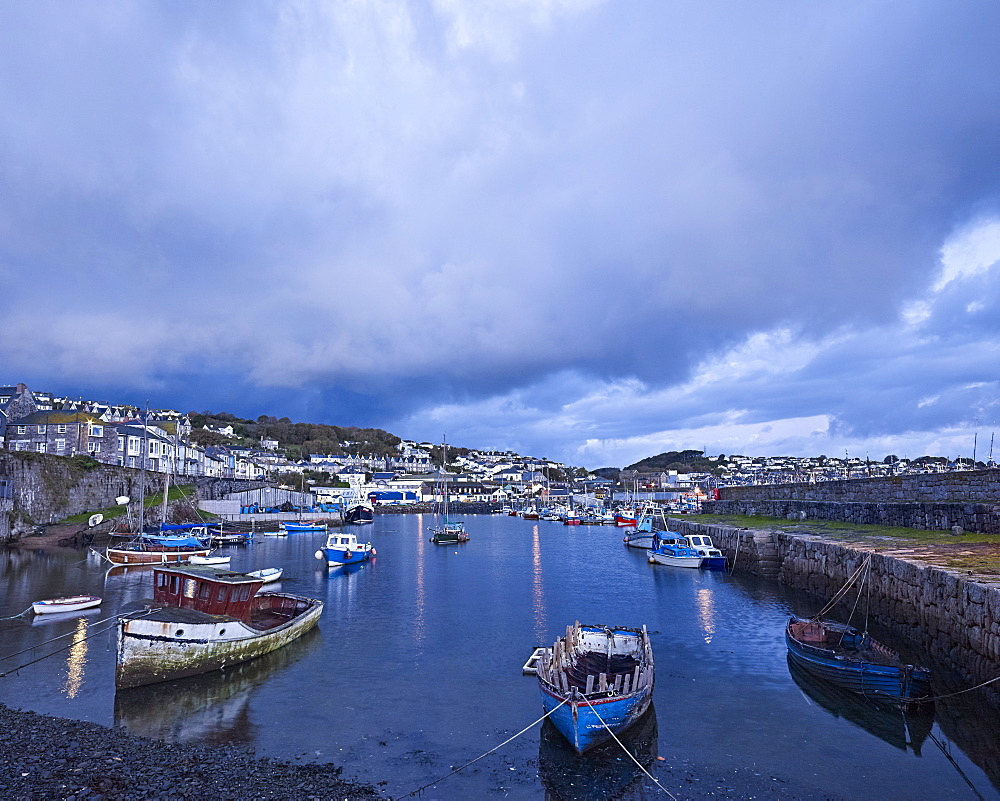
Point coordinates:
[(279, 533), (626, 519), (202, 619), (650, 521), (308, 526), (71, 603), (672, 549), (211, 559), (571, 519), (853, 660), (450, 532), (903, 728), (711, 557), (360, 513), (601, 680), (139, 552), (344, 549), (267, 574), (531, 514)]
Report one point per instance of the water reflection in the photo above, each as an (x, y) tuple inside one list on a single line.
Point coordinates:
[(76, 661), (903, 730), (419, 622), (604, 773), (213, 708), (537, 592), (706, 612)]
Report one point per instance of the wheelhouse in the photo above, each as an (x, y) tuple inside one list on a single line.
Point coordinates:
[(206, 589)]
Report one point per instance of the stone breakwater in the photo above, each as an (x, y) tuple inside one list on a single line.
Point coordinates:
[(947, 614), (932, 501), (42, 757)]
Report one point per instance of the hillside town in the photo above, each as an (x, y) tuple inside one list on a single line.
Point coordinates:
[(164, 441)]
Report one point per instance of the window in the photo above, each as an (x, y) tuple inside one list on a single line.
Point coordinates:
[(161, 580), (60, 445), (22, 429), (40, 429), (223, 594), (121, 443), (93, 447), (244, 593), (174, 584), (60, 429), (204, 590), (97, 431)]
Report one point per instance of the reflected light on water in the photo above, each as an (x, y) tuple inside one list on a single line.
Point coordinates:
[(537, 593), (77, 660), (706, 613), (419, 631)]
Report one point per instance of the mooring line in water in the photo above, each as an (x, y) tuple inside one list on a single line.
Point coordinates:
[(57, 637), (495, 748), (631, 755), (19, 614), (105, 630)]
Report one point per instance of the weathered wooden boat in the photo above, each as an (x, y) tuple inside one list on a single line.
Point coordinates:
[(71, 603), (672, 549), (853, 660), (602, 674), (903, 726), (711, 557), (344, 549), (148, 553), (360, 513), (202, 619), (211, 559), (267, 574), (308, 526)]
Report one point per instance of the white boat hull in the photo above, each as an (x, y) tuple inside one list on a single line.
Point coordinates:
[(674, 561), (70, 604)]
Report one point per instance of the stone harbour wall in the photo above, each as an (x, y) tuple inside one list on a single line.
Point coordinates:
[(982, 518), (944, 612)]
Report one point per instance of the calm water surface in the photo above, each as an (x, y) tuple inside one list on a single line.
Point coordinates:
[(416, 668)]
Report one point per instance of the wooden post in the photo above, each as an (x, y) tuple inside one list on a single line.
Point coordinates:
[(602, 682), (635, 677), (618, 682), (590, 683), (628, 681)]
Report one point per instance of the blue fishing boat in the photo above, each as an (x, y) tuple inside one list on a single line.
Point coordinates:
[(650, 522), (308, 526), (711, 557), (344, 549), (853, 660), (596, 680)]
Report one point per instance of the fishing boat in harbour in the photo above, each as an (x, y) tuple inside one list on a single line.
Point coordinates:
[(139, 552), (650, 522), (596, 681), (853, 660), (447, 532), (71, 603), (344, 549), (202, 619), (673, 550), (626, 518), (360, 513)]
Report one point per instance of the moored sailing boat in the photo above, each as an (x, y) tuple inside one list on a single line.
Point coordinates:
[(450, 532)]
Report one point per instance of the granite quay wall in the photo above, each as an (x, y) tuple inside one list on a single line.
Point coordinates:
[(954, 618), (967, 486), (982, 518), (454, 508)]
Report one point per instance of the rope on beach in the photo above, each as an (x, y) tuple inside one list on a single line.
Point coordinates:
[(631, 755), (76, 641), (495, 748)]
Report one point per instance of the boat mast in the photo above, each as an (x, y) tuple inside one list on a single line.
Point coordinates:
[(142, 475)]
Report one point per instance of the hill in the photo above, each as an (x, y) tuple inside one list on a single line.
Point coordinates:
[(682, 461)]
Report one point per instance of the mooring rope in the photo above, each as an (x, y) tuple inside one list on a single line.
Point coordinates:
[(843, 590), (66, 647), (57, 637), (631, 755), (495, 748), (19, 614)]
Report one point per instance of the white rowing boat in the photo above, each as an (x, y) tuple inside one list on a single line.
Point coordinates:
[(210, 560), (71, 603), (267, 574)]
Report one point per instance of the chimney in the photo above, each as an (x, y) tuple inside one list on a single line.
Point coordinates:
[(22, 388)]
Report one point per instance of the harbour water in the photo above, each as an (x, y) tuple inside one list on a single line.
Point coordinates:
[(415, 669)]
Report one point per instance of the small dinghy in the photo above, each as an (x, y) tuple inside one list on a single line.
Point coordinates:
[(267, 574), (217, 559), (72, 603), (603, 679)]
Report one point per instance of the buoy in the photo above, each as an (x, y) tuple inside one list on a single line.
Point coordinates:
[(373, 552), (319, 554)]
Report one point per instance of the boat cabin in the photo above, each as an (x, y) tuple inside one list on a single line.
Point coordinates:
[(348, 541), (206, 589), (700, 541)]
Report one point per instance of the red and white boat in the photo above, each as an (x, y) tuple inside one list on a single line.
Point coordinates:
[(625, 519), (71, 603)]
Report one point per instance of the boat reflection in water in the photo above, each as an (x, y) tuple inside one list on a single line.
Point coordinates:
[(905, 729), (213, 708), (603, 773)]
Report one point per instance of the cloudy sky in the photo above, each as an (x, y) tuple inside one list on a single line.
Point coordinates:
[(586, 230)]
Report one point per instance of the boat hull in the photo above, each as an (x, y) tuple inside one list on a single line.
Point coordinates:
[(335, 557), (639, 539), (125, 556), (173, 643), (713, 563), (674, 561), (291, 528), (359, 514), (580, 721), (891, 682), (625, 522), (70, 604)]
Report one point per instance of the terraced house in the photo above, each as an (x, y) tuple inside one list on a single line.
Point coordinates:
[(63, 433)]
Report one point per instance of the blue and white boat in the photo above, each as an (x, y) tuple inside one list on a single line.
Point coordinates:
[(672, 549), (711, 557), (308, 526), (851, 659), (344, 549), (603, 677), (650, 522)]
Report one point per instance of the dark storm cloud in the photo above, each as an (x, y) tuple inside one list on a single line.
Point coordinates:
[(550, 217)]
